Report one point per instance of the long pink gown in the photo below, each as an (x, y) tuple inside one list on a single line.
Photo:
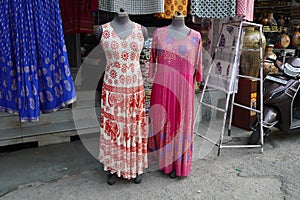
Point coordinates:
[(170, 139)]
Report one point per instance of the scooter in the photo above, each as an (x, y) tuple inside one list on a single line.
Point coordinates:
[(281, 100)]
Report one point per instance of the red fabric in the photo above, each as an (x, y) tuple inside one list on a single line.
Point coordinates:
[(94, 5), (77, 15)]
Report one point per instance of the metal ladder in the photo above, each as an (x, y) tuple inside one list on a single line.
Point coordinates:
[(214, 81)]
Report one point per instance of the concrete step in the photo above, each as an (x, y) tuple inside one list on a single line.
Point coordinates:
[(52, 128)]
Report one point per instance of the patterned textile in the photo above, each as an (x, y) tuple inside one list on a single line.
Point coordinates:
[(225, 59), (134, 7), (34, 69), (170, 140), (123, 137), (173, 6), (213, 9), (245, 8), (222, 65), (77, 15)]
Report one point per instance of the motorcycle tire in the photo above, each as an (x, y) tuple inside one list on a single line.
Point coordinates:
[(255, 137)]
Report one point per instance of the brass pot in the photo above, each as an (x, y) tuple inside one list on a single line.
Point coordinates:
[(268, 65), (252, 39), (250, 56), (265, 21)]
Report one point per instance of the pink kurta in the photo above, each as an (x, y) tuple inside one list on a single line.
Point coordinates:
[(170, 139), (123, 137)]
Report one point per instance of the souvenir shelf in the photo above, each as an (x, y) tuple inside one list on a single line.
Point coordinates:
[(289, 10)]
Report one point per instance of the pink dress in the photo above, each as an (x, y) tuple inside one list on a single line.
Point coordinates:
[(245, 9), (123, 137), (170, 139)]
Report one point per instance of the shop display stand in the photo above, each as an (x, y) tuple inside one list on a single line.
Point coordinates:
[(231, 82)]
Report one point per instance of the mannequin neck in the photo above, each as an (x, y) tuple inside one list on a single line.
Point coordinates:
[(178, 22), (121, 18), (122, 25), (178, 27)]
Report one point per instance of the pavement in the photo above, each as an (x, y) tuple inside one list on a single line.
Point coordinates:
[(70, 171)]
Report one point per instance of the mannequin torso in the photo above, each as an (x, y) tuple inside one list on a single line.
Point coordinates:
[(122, 26), (122, 43), (175, 54), (177, 28)]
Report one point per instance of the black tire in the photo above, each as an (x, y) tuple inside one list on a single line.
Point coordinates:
[(255, 137)]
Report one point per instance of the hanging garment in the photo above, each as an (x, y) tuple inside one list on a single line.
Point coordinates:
[(245, 9), (173, 6), (171, 114), (133, 7), (34, 70), (77, 15), (123, 137), (213, 9), (222, 63)]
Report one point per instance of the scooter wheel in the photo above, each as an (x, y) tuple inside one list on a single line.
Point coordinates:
[(255, 137)]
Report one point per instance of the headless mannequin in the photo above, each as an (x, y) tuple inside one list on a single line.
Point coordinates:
[(122, 26), (177, 28)]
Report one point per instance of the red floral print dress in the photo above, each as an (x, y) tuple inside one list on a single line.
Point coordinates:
[(123, 137)]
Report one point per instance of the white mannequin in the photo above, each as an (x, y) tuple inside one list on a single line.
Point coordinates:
[(177, 28), (122, 26)]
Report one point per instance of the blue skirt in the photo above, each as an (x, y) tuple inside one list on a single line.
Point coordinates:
[(35, 75)]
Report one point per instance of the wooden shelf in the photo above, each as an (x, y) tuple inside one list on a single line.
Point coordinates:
[(273, 7)]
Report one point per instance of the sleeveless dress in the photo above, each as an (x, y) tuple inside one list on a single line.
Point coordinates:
[(123, 138)]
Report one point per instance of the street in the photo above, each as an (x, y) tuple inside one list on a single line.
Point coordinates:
[(69, 171)]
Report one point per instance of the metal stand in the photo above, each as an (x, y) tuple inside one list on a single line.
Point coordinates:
[(229, 79)]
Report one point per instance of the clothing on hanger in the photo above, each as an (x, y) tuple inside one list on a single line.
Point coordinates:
[(173, 6), (77, 15), (133, 7), (34, 71), (245, 9), (213, 9)]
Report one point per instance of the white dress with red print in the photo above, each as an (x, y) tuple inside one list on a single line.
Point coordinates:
[(123, 137)]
